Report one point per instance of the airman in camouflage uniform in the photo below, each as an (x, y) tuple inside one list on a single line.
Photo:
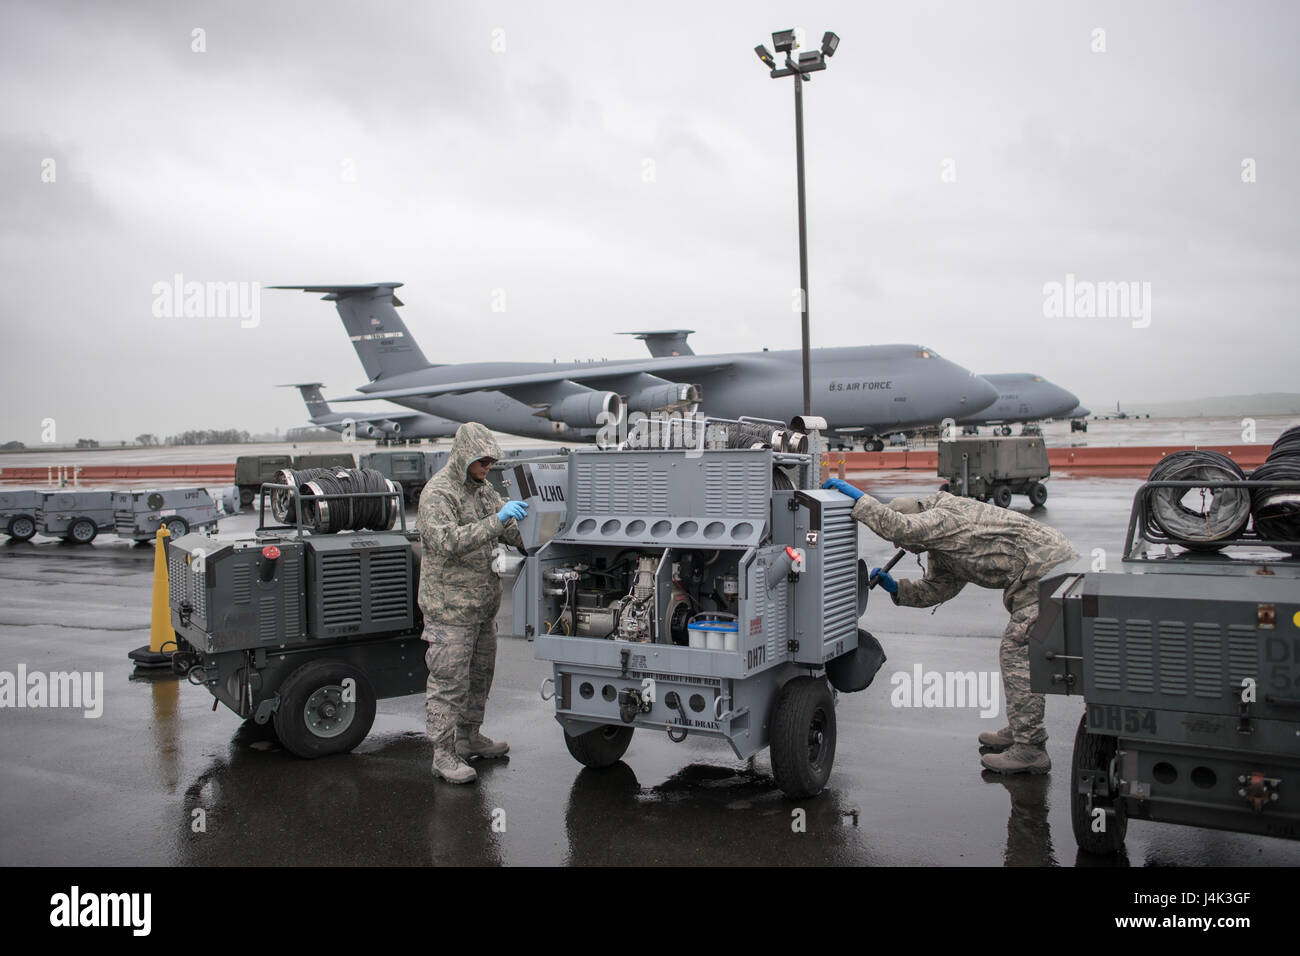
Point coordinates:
[(968, 541), (460, 524)]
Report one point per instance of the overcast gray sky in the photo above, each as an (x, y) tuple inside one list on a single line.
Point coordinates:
[(464, 148)]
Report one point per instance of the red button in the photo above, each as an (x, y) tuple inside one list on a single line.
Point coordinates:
[(271, 552)]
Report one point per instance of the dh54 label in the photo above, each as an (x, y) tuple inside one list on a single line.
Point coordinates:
[(1128, 720)]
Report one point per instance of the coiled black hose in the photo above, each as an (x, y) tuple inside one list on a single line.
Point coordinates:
[(749, 435), (1221, 514), (376, 512), (1287, 444), (1276, 511)]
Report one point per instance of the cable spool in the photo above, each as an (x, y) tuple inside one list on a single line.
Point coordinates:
[(1276, 511), (355, 513), (1287, 444), (282, 509), (1222, 514)]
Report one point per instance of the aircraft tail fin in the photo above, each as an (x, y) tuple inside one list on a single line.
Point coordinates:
[(315, 401), (665, 342), (369, 314)]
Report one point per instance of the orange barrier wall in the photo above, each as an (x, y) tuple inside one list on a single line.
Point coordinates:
[(1081, 459), (1136, 459), (98, 473)]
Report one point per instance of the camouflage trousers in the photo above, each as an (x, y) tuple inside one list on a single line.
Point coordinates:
[(461, 660), (1024, 709)]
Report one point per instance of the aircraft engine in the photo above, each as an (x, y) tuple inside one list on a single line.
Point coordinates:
[(584, 409), (670, 395)]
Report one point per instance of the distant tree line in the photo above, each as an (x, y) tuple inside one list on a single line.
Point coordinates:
[(209, 436)]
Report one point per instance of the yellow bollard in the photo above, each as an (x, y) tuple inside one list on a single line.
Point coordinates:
[(160, 622)]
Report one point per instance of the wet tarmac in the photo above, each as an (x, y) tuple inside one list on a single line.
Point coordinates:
[(907, 787)]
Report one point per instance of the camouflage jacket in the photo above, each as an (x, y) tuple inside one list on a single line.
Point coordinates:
[(968, 541), (459, 530)]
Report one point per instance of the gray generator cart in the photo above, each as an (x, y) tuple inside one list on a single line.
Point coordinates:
[(330, 460), (18, 511), (252, 471), (75, 515), (1189, 663), (410, 469), (708, 590), (307, 630), (139, 514), (995, 469)]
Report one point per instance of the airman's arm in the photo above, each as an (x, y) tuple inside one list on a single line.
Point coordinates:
[(920, 531)]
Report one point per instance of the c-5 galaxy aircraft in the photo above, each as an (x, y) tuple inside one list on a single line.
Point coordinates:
[(1022, 397), (383, 427), (862, 391)]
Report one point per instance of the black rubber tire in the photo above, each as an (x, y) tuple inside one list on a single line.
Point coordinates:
[(246, 496), (1094, 752), (173, 523), (876, 445), (600, 748), (1001, 496), (803, 737), (21, 528), (854, 671), (1038, 494), (1005, 430), (83, 538), (290, 722), (946, 487)]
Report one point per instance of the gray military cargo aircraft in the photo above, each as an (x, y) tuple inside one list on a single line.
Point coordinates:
[(1022, 397), (384, 427), (862, 391)]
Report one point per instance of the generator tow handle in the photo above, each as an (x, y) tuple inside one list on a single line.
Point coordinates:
[(871, 581)]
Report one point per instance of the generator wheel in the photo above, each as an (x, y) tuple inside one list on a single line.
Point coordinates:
[(21, 528), (602, 747), (1005, 430), (313, 719), (246, 496), (177, 527), (803, 737), (82, 531), (1094, 752), (874, 445), (1037, 494), (1002, 496)]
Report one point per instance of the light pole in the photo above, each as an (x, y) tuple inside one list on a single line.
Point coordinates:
[(786, 42)]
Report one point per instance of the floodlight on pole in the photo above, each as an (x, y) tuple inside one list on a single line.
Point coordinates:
[(800, 64)]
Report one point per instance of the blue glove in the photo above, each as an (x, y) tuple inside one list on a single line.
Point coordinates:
[(513, 509), (842, 486), (884, 580)]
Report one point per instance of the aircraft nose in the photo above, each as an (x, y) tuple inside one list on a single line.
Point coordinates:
[(1065, 400), (978, 394)]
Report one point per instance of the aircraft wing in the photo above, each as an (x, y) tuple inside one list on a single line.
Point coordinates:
[(595, 373), (401, 416)]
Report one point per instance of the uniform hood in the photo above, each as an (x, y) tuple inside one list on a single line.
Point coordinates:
[(473, 441)]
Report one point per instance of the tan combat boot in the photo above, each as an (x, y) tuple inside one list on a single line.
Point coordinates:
[(451, 768), (997, 740), (1019, 758), (476, 745)]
